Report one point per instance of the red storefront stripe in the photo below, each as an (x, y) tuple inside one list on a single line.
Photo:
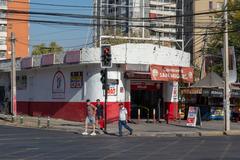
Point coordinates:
[(73, 111)]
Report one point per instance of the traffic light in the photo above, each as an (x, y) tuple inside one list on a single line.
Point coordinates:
[(104, 79), (106, 56)]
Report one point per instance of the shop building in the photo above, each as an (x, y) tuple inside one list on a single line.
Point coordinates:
[(58, 85)]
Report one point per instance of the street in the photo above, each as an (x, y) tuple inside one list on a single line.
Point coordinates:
[(22, 143)]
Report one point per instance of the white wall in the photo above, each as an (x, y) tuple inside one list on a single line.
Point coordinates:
[(39, 86)]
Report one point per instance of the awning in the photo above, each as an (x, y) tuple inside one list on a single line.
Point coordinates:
[(137, 75)]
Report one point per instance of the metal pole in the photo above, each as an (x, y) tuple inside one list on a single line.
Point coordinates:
[(13, 77), (105, 103), (226, 72)]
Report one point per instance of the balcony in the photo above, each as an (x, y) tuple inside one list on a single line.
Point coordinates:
[(163, 12)]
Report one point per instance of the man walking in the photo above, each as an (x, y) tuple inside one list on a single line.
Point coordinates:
[(90, 119), (123, 120)]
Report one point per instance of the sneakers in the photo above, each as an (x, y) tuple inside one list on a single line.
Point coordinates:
[(131, 132), (85, 133), (93, 134)]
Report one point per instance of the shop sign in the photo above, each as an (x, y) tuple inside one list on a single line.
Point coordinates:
[(72, 57), (76, 79), (58, 86), (194, 117), (235, 93), (171, 73), (218, 93), (191, 91), (48, 59), (27, 63)]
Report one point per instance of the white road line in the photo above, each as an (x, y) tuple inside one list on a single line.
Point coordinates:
[(158, 150), (226, 149), (191, 150)]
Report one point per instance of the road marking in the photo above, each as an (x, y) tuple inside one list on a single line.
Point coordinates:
[(226, 149), (122, 151), (192, 150), (159, 149)]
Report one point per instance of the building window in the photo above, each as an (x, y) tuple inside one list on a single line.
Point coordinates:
[(2, 54), (210, 5), (3, 41), (3, 3), (21, 82), (3, 28)]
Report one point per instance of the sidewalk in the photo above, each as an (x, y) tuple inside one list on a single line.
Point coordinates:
[(174, 129)]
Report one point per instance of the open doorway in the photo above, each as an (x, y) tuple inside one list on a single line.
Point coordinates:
[(146, 96)]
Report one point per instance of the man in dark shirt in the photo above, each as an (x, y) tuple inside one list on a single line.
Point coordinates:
[(99, 113)]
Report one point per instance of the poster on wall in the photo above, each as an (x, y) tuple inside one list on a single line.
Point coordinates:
[(76, 80), (58, 86), (113, 89)]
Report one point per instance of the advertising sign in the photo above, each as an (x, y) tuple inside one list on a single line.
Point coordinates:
[(72, 57), (27, 63), (48, 59), (76, 79), (194, 117), (171, 73)]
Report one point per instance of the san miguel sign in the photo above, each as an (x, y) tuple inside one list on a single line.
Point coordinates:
[(171, 73)]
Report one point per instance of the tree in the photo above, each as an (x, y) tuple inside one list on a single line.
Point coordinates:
[(216, 41), (43, 49)]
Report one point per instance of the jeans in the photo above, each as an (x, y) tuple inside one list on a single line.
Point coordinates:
[(123, 124)]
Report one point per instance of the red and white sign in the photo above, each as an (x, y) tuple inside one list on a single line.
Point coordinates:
[(72, 57), (27, 63), (171, 73), (192, 116), (48, 59)]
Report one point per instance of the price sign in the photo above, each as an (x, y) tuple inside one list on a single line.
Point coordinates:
[(113, 90)]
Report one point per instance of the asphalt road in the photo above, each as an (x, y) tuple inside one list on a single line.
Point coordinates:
[(36, 144)]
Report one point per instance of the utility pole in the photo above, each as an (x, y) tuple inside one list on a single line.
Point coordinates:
[(226, 99), (13, 77)]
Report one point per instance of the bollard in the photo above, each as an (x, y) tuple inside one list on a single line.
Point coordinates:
[(154, 114), (48, 122), (139, 115), (38, 122), (147, 115), (21, 120)]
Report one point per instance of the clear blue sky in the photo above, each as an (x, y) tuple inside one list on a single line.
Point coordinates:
[(66, 36)]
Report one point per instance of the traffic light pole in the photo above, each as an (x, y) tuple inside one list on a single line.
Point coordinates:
[(105, 101)]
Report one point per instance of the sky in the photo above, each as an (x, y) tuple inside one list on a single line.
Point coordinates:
[(69, 37)]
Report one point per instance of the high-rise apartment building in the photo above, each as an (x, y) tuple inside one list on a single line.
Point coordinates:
[(17, 23), (147, 20), (198, 27)]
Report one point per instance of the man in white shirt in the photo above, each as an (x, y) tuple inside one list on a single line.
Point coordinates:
[(123, 120)]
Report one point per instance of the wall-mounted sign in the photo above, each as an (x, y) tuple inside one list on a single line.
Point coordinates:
[(113, 90), (58, 86), (27, 63), (171, 73), (72, 57), (76, 80), (48, 59)]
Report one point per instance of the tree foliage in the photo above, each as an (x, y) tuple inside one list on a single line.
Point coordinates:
[(53, 47), (216, 41)]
